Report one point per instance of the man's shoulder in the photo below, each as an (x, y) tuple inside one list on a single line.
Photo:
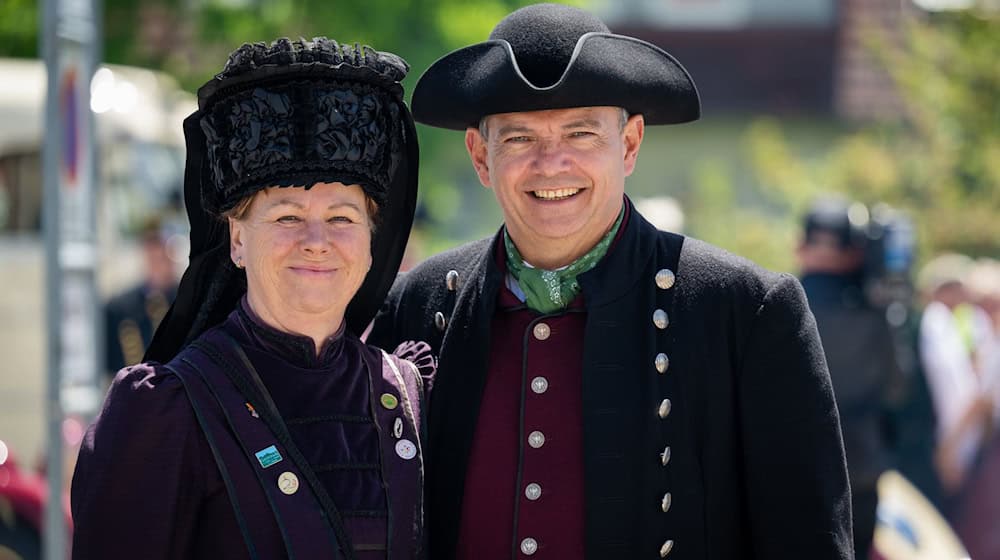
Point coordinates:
[(431, 272), (707, 267)]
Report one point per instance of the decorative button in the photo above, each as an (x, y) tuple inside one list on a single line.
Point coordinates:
[(288, 483), (440, 321), (539, 385), (662, 362), (536, 439), (541, 331), (533, 491), (666, 548), (660, 319), (665, 504), (529, 546), (451, 280), (665, 278), (397, 428), (406, 449), (664, 409), (389, 401), (665, 456)]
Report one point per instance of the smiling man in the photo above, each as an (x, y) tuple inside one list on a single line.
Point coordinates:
[(606, 390)]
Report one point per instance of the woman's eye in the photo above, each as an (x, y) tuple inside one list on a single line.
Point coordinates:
[(288, 219), (341, 220)]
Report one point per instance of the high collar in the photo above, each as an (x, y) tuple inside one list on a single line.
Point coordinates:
[(632, 249), (297, 349)]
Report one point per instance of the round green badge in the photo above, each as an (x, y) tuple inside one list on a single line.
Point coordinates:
[(389, 401)]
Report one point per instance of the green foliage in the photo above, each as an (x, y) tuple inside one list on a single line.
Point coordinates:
[(19, 26), (940, 161)]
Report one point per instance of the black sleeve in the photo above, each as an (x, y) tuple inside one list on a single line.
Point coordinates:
[(797, 487)]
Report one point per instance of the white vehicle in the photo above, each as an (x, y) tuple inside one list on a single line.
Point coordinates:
[(140, 159)]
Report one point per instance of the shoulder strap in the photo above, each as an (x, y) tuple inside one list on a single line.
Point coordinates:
[(248, 382)]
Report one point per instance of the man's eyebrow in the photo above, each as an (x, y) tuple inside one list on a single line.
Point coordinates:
[(583, 123), (513, 128)]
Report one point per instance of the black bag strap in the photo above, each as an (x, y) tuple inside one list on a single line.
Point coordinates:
[(253, 388)]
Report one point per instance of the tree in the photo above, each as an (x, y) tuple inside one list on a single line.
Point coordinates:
[(940, 161)]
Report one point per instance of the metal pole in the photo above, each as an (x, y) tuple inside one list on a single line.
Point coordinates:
[(69, 218)]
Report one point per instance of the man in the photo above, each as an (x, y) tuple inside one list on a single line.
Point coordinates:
[(606, 390), (859, 349), (132, 316)]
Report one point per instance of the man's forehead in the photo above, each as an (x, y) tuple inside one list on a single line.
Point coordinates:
[(557, 116)]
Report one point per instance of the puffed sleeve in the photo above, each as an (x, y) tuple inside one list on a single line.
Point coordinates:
[(139, 478), (798, 493)]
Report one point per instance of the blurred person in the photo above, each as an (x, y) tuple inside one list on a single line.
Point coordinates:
[(606, 389), (859, 349), (131, 317), (260, 425), (953, 334)]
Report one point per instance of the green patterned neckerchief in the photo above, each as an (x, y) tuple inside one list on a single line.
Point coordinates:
[(547, 291)]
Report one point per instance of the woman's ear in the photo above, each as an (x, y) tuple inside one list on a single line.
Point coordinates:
[(236, 241)]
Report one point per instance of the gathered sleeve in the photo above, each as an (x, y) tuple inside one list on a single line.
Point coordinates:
[(142, 471)]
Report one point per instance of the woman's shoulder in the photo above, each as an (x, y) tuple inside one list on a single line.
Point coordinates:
[(146, 391)]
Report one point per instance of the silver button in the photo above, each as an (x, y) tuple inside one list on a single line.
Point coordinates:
[(536, 439), (439, 321), (666, 548), (660, 319), (665, 503), (451, 280), (665, 456), (533, 491), (664, 409), (529, 546), (662, 362), (539, 385), (665, 278), (541, 331)]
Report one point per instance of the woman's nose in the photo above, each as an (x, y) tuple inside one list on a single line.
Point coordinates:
[(314, 238)]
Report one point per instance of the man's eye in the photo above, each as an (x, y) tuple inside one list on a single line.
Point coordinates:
[(580, 134), (518, 139)]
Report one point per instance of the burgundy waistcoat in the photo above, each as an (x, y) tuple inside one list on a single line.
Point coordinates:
[(524, 487)]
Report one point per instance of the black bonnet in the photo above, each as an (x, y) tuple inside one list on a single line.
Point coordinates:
[(292, 114)]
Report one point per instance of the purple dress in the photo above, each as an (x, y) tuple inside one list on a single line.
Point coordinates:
[(150, 484)]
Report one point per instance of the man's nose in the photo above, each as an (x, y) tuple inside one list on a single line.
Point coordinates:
[(551, 157)]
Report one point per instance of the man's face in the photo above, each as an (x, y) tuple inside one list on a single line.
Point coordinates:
[(559, 176)]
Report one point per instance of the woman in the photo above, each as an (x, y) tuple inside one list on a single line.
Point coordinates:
[(260, 426)]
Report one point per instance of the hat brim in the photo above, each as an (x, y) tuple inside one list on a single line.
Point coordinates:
[(605, 70)]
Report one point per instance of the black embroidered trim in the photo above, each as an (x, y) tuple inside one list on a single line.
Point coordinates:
[(345, 418), (346, 467)]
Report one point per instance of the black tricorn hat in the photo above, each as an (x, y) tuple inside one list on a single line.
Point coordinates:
[(550, 56), (292, 114)]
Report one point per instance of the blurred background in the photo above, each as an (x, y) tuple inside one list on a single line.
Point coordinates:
[(891, 105)]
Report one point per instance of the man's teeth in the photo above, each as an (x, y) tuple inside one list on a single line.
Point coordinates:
[(555, 194)]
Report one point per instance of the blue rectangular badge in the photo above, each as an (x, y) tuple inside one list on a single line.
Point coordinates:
[(268, 456)]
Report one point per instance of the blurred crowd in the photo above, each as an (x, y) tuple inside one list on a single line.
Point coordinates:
[(915, 367)]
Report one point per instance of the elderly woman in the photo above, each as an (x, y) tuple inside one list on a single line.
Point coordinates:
[(260, 425)]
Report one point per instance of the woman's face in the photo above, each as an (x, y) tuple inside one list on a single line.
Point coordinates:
[(306, 252)]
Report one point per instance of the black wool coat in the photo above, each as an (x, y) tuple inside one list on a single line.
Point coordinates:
[(756, 461)]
